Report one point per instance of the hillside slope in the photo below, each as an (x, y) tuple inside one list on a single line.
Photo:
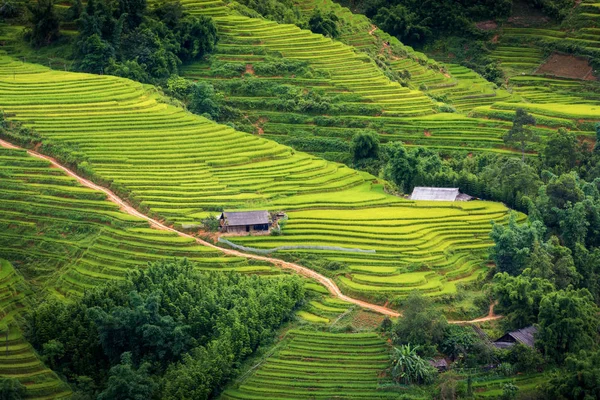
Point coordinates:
[(187, 167)]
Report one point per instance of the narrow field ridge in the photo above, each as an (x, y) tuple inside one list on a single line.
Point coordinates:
[(306, 272)]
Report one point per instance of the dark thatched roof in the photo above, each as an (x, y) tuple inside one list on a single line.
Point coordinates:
[(438, 194), (525, 336), (242, 218)]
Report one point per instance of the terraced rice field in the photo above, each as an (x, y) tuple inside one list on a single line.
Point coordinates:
[(348, 69), (530, 79), (182, 167), (417, 246), (71, 238), (367, 97), (461, 87), (18, 360), (317, 365)]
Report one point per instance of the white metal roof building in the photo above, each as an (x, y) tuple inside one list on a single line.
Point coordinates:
[(438, 194)]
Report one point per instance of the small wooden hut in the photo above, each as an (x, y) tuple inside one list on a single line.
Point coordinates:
[(244, 222), (525, 336)]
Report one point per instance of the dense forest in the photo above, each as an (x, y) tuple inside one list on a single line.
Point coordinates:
[(167, 332)]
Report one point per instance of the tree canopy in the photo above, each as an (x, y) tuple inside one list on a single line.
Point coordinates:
[(159, 322)]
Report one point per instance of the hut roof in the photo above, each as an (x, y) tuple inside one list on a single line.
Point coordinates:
[(236, 218), (525, 336), (434, 194), (438, 363)]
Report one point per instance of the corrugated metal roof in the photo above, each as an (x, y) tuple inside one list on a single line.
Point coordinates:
[(525, 335), (237, 218), (434, 194)]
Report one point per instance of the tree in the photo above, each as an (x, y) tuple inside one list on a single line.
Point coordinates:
[(579, 380), (520, 133), (326, 24), (11, 389), (53, 351), (560, 152), (398, 169), (409, 368), (519, 298), (365, 145), (197, 37), (553, 262), (564, 189), (128, 383), (458, 341), (568, 322), (44, 23), (420, 325), (404, 24), (204, 100), (95, 54), (509, 180), (513, 244)]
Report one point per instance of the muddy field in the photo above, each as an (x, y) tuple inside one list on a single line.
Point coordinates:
[(567, 66)]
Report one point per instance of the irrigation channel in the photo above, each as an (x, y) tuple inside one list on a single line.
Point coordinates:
[(306, 272)]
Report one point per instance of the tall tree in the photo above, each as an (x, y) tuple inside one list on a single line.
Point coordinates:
[(420, 325), (520, 133), (560, 152), (513, 244), (568, 322), (44, 23)]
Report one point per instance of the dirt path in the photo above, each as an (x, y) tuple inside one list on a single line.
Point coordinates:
[(490, 317), (309, 273), (373, 29)]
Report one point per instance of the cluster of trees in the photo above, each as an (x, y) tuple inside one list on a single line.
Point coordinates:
[(423, 333), (286, 11), (166, 332), (547, 267), (127, 38), (418, 22)]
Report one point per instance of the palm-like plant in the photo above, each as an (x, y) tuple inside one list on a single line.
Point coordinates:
[(409, 368)]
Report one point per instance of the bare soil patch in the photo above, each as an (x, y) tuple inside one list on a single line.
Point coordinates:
[(567, 66), (489, 25)]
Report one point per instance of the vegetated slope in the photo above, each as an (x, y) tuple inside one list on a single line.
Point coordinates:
[(537, 71), (18, 360), (183, 167), (359, 87), (320, 365), (453, 84), (69, 238)]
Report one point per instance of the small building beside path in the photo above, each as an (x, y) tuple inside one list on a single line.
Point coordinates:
[(438, 194), (524, 336), (245, 222)]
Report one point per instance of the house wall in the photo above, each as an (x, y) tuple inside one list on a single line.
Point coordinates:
[(241, 229)]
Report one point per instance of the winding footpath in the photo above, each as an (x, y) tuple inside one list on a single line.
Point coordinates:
[(306, 272)]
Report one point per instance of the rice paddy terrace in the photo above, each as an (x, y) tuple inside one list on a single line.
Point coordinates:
[(318, 365), (18, 360), (560, 89), (67, 238), (367, 95), (182, 167)]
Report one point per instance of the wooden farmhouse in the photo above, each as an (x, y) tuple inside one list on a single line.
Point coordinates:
[(525, 336), (244, 222), (438, 194)]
